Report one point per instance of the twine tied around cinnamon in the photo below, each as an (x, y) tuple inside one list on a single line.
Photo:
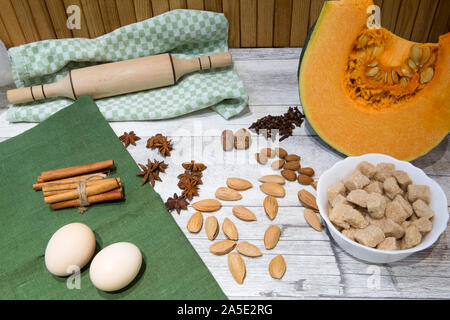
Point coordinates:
[(82, 195)]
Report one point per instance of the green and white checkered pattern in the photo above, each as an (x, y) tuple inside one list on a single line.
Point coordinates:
[(184, 33)]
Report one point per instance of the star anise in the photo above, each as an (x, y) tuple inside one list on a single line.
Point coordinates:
[(189, 188), (129, 138), (159, 141), (151, 171), (193, 166), (176, 203), (195, 177)]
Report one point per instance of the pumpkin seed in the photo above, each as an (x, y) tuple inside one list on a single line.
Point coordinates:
[(373, 63), (426, 53), (403, 82), (361, 54), (371, 72), (377, 51), (412, 64), (363, 39), (426, 75), (406, 72), (385, 77), (415, 53), (394, 76)]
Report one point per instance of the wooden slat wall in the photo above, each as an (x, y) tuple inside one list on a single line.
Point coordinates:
[(252, 23)]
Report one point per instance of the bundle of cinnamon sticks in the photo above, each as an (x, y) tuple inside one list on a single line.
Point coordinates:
[(79, 186)]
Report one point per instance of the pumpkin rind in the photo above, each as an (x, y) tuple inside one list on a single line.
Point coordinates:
[(404, 130)]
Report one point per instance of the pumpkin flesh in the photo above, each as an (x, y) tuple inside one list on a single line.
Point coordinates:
[(357, 113)]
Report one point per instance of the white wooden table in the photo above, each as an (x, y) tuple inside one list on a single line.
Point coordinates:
[(316, 266)]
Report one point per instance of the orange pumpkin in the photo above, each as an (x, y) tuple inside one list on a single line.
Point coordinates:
[(367, 90)]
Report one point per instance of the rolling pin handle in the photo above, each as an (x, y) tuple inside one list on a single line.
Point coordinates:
[(20, 95), (220, 60)]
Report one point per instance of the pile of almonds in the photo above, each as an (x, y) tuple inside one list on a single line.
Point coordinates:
[(236, 263), (289, 164), (272, 186)]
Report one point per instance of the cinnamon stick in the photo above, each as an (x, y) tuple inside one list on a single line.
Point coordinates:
[(75, 171), (60, 188), (38, 186), (100, 187), (116, 194)]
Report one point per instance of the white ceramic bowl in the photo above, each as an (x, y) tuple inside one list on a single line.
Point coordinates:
[(344, 168)]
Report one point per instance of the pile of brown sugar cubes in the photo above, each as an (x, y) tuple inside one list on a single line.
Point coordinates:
[(380, 207)]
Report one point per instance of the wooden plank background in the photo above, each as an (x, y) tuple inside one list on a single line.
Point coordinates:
[(253, 23)]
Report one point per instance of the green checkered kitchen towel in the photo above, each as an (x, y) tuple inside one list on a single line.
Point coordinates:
[(184, 33)]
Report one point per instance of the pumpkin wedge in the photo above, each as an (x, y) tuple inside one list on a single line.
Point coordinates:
[(366, 90)]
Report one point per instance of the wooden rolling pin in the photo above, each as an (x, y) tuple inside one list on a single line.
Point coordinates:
[(115, 78)]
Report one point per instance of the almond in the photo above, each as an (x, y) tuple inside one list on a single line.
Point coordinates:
[(271, 207), (237, 267), (292, 157), (314, 184), (229, 229), (239, 184), (273, 189), (248, 249), (277, 164), (222, 247), (304, 179), (307, 199), (268, 152), (271, 236), (261, 158), (207, 205), (195, 223), (211, 227), (289, 174), (272, 178), (312, 219), (277, 267), (227, 140), (227, 194), (281, 152), (243, 213), (292, 165), (308, 171)]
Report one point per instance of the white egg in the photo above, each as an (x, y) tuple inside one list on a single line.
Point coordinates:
[(115, 266), (70, 248)]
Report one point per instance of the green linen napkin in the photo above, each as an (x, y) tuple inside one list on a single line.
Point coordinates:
[(76, 135), (184, 33)]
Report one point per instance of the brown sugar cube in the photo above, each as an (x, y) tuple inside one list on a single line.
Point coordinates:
[(356, 181), (370, 236), (412, 237), (337, 215), (374, 186), (421, 209), (367, 169), (402, 178), (390, 243), (383, 171), (376, 205), (421, 192), (334, 190), (405, 224), (389, 227), (355, 219), (349, 233), (339, 199), (358, 197), (423, 224), (391, 187), (395, 212), (405, 204)]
